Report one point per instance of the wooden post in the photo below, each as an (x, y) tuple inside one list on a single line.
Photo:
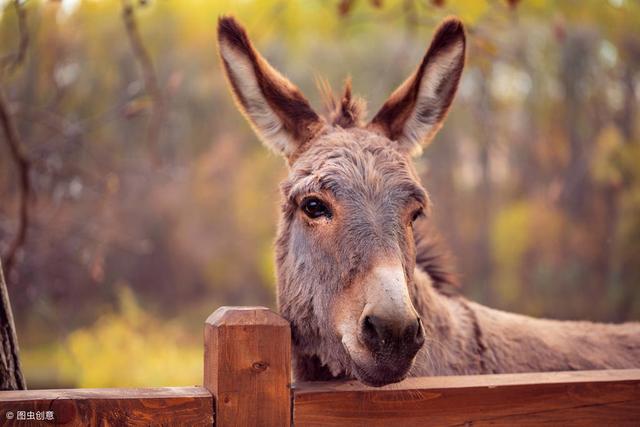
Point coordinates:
[(247, 367)]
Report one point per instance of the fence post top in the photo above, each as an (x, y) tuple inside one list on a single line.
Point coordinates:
[(231, 316)]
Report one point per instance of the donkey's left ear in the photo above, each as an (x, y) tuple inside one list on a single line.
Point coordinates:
[(277, 110), (415, 111)]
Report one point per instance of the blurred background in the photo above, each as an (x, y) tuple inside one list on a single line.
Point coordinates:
[(134, 198)]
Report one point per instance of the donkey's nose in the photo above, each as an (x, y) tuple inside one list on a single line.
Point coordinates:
[(378, 334)]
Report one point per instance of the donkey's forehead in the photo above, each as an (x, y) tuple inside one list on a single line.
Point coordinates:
[(355, 161)]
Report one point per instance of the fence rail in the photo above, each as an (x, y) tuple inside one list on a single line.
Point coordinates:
[(247, 382), (184, 406), (563, 398)]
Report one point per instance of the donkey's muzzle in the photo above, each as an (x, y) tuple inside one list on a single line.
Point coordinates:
[(390, 339)]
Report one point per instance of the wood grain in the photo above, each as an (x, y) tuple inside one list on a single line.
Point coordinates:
[(562, 398), (248, 366), (166, 406), (247, 376)]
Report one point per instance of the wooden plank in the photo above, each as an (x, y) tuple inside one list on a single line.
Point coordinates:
[(561, 398), (247, 366), (167, 406)]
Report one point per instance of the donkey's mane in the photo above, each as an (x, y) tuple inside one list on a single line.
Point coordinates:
[(347, 111), (433, 256)]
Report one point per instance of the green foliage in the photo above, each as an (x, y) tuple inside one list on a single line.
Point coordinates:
[(511, 239), (606, 166), (131, 348)]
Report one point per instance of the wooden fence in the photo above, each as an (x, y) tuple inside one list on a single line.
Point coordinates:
[(247, 382)]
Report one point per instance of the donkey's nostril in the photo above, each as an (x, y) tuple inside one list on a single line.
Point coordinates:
[(370, 331), (378, 333), (413, 331), (368, 324)]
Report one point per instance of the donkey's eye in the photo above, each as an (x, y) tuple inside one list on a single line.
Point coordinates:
[(417, 214), (315, 208)]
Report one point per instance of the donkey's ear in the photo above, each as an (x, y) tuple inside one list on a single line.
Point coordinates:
[(276, 109), (415, 111)]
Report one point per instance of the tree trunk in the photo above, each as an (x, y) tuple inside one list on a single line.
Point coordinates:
[(10, 373)]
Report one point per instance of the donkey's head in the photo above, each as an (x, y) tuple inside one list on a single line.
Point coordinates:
[(346, 253)]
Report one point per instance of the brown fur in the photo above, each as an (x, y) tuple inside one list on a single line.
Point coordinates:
[(346, 112), (288, 103), (370, 253), (393, 115), (468, 338)]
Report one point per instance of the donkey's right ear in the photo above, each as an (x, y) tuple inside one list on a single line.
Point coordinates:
[(277, 110)]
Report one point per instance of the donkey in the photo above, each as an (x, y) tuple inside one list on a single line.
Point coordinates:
[(361, 275)]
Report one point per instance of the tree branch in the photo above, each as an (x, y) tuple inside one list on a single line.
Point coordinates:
[(10, 130), (13, 60), (22, 163), (150, 78)]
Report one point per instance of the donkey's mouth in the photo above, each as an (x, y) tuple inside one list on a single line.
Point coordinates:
[(380, 376), (378, 369)]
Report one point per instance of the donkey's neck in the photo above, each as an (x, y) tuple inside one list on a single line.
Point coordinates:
[(468, 338), (454, 340), (464, 337)]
